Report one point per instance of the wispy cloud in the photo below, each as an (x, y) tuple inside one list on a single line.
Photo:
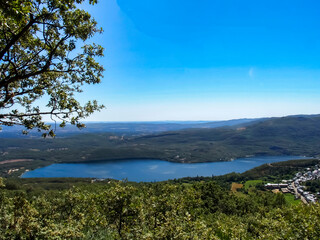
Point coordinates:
[(251, 73)]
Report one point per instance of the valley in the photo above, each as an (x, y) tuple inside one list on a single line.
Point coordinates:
[(292, 135)]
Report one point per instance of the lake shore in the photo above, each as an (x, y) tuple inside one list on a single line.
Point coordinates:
[(151, 169)]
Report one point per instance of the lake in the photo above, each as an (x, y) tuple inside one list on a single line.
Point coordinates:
[(148, 170)]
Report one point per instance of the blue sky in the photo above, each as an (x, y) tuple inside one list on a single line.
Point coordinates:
[(207, 59)]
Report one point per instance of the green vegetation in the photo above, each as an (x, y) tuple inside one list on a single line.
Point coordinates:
[(291, 199), (280, 136), (313, 186), (278, 171), (44, 51), (251, 183), (188, 208), (116, 210)]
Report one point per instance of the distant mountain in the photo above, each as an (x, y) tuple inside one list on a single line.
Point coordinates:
[(125, 127), (293, 135)]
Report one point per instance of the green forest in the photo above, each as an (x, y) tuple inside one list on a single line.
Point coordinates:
[(189, 208)]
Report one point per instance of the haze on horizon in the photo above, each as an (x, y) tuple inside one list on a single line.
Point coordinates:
[(207, 60)]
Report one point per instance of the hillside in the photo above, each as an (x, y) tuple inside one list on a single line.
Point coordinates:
[(189, 208), (295, 135), (279, 136)]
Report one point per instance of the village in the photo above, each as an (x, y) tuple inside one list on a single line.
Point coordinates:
[(297, 186)]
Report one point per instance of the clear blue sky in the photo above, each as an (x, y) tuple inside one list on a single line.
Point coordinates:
[(207, 59)]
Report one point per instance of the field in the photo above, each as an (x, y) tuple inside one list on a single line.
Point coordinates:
[(235, 186), (251, 183), (291, 199)]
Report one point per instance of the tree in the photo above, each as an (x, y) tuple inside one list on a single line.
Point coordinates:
[(44, 54)]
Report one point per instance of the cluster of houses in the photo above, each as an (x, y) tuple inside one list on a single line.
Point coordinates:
[(13, 170), (296, 185)]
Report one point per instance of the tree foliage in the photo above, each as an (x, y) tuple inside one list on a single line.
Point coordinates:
[(120, 210), (44, 54)]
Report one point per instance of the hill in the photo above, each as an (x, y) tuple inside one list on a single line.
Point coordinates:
[(199, 208), (293, 135), (296, 135)]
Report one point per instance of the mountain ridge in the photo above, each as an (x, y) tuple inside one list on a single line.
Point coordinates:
[(293, 135)]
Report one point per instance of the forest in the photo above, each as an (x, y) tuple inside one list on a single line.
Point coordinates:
[(190, 208)]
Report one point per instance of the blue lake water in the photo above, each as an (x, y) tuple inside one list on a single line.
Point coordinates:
[(151, 170)]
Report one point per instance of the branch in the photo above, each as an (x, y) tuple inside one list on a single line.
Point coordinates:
[(25, 29), (43, 70), (31, 59), (34, 114), (17, 37), (10, 122)]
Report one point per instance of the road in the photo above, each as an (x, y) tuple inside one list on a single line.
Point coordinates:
[(298, 194)]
